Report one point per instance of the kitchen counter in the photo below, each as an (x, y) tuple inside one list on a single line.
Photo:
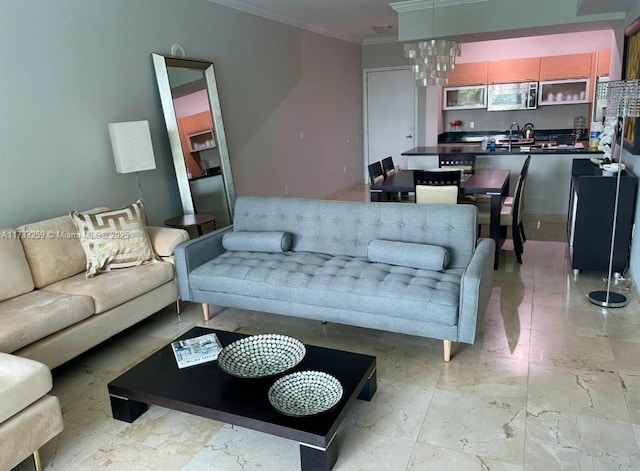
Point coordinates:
[(477, 150)]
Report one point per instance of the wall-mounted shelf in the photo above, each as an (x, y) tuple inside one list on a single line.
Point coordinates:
[(202, 141)]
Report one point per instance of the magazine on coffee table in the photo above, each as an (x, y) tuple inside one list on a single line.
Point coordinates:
[(189, 352)]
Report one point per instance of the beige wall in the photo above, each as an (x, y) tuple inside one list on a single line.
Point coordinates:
[(71, 67)]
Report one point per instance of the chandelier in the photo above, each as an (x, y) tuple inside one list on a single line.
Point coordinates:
[(432, 60)]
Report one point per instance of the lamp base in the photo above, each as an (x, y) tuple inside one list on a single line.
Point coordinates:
[(604, 299)]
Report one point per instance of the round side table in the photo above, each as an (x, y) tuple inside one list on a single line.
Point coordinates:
[(190, 220)]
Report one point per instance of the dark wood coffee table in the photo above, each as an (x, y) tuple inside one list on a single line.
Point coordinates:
[(205, 390)]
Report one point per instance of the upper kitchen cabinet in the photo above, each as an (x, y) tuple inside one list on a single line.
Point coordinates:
[(514, 70), (470, 73), (568, 66), (604, 63)]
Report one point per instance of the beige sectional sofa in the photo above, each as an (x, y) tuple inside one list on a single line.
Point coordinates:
[(50, 312)]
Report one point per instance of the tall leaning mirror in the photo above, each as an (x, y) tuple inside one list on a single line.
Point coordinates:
[(192, 114)]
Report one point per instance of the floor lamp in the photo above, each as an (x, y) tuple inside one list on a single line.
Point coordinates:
[(132, 148), (623, 101)]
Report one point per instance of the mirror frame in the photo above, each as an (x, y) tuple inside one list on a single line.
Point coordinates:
[(161, 64)]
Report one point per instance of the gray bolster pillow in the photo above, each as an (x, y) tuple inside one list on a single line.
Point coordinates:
[(257, 241), (408, 254)]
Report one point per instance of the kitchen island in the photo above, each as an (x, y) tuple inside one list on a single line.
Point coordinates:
[(549, 178)]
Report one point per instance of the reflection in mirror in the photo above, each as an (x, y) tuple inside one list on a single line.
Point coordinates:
[(192, 113)]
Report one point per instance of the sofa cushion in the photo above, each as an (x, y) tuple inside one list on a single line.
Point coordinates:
[(257, 241), (15, 276), (55, 256), (22, 382), (334, 281), (114, 238), (35, 315), (408, 254), (165, 239), (116, 287)]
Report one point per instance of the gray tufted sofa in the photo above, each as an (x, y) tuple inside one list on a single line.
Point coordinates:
[(326, 275)]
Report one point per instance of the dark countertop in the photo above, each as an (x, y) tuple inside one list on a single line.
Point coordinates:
[(213, 172), (477, 150), (469, 137)]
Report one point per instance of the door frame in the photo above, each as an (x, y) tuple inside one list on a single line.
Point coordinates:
[(365, 111)]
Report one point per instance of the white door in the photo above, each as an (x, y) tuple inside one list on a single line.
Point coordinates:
[(390, 114)]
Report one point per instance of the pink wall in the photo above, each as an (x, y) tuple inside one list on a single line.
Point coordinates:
[(191, 104), (537, 46)]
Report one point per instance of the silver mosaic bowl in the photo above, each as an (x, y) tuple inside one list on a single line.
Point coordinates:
[(261, 355), (305, 393)]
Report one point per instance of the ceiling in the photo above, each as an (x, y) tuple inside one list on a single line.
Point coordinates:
[(353, 20)]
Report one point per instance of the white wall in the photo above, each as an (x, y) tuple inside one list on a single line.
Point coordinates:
[(71, 67)]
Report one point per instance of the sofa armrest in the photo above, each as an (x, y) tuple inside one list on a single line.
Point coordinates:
[(475, 290), (195, 252), (165, 239)]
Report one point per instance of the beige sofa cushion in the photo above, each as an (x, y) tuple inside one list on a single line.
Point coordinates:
[(57, 255), (22, 382), (166, 239), (15, 276), (116, 287), (35, 315)]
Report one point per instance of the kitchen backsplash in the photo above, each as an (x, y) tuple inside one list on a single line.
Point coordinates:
[(543, 117)]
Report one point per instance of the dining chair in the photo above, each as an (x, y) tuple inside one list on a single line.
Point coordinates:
[(376, 174), (436, 187), (388, 167), (510, 216), (481, 199)]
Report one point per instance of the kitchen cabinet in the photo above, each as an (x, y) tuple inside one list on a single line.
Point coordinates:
[(461, 98), (564, 92), (567, 66), (514, 70), (590, 218), (194, 125), (202, 140), (470, 73)]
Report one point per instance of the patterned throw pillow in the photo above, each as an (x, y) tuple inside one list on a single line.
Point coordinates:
[(114, 238)]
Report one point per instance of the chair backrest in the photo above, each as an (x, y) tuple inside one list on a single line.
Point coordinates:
[(525, 167), (464, 162), (436, 177), (388, 166), (518, 200), (437, 194), (375, 172)]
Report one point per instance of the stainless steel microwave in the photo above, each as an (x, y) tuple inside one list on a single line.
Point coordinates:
[(512, 96)]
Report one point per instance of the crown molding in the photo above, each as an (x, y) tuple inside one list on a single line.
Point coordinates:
[(271, 15), (380, 40), (414, 5)]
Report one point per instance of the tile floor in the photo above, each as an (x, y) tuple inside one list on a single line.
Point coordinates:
[(552, 383)]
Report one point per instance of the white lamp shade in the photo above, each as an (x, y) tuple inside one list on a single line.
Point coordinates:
[(132, 148)]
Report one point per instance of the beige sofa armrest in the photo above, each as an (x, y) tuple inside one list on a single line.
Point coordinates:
[(165, 239)]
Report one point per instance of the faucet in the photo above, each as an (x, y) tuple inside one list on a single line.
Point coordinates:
[(511, 132)]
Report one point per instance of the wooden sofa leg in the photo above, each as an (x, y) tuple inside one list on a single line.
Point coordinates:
[(205, 311), (36, 460), (447, 350), (178, 307)]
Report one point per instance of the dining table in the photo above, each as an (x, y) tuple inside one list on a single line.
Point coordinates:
[(491, 182)]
